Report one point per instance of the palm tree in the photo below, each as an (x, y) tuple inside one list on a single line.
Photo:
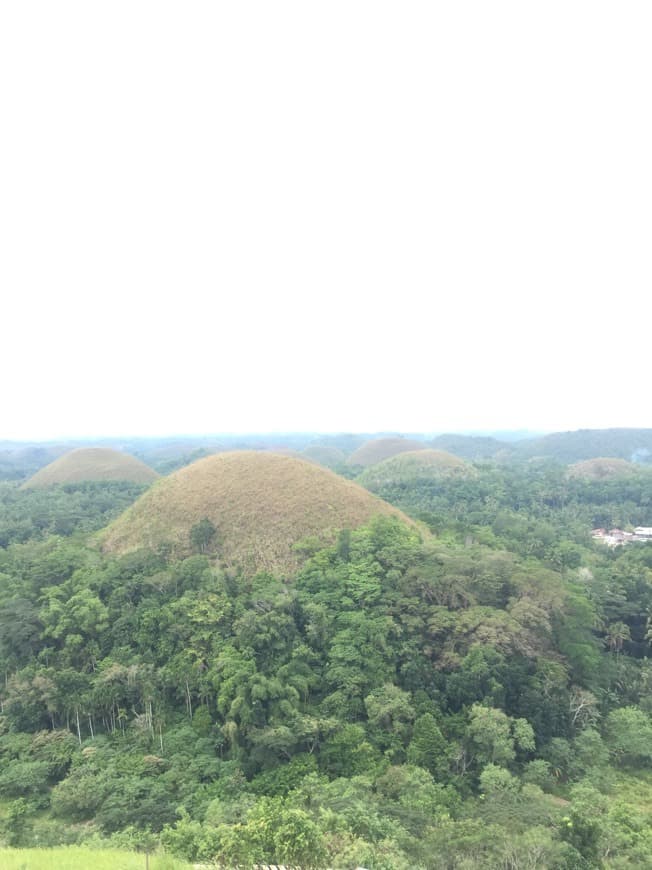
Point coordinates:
[(617, 634)]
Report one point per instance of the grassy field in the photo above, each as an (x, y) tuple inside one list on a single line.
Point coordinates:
[(81, 858), (92, 463), (379, 449), (261, 504)]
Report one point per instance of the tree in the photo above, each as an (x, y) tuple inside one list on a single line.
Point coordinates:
[(583, 708), (496, 781), (428, 747), (494, 736), (17, 823), (202, 535), (618, 633), (390, 716), (628, 733)]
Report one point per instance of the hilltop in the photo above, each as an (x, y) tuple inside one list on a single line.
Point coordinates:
[(602, 468), (260, 504), (470, 446), (91, 464), (378, 449), (415, 465)]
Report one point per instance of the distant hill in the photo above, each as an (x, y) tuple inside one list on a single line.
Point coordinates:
[(260, 504), (92, 464), (324, 455), (418, 465), (470, 446), (347, 442), (377, 449), (21, 461), (602, 468), (631, 444)]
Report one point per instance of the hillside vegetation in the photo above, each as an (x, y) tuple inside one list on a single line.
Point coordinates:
[(477, 698), (21, 461), (407, 468), (601, 468), (378, 449), (260, 504), (92, 464), (631, 444), (470, 446), (62, 509)]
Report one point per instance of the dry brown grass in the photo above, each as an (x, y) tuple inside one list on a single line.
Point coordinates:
[(91, 463), (601, 468), (415, 465), (379, 449), (261, 504)]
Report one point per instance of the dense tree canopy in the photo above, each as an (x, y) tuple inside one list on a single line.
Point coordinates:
[(476, 697)]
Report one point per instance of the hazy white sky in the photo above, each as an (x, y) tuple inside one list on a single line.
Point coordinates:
[(332, 216)]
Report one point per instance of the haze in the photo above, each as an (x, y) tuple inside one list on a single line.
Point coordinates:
[(348, 216)]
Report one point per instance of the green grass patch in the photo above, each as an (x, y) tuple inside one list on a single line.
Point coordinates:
[(82, 858)]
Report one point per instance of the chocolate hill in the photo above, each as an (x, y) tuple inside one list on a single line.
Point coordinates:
[(260, 504), (91, 464)]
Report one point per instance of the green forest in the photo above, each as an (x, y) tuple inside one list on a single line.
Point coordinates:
[(473, 690)]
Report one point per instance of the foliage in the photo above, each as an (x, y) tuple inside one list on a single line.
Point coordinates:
[(479, 698)]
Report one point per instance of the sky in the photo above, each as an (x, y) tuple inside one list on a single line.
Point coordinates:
[(342, 216)]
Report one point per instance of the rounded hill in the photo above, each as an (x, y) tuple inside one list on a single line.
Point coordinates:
[(378, 449), (260, 505), (414, 466), (601, 468), (324, 455), (91, 464)]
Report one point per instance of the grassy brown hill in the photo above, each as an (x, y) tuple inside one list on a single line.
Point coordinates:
[(415, 465), (261, 505), (91, 463), (378, 449), (602, 468)]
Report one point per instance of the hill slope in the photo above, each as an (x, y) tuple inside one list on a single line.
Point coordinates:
[(261, 505), (601, 468), (470, 446), (378, 449), (415, 465), (92, 463)]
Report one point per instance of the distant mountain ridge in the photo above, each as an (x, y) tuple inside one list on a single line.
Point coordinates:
[(19, 460), (635, 445), (471, 447)]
